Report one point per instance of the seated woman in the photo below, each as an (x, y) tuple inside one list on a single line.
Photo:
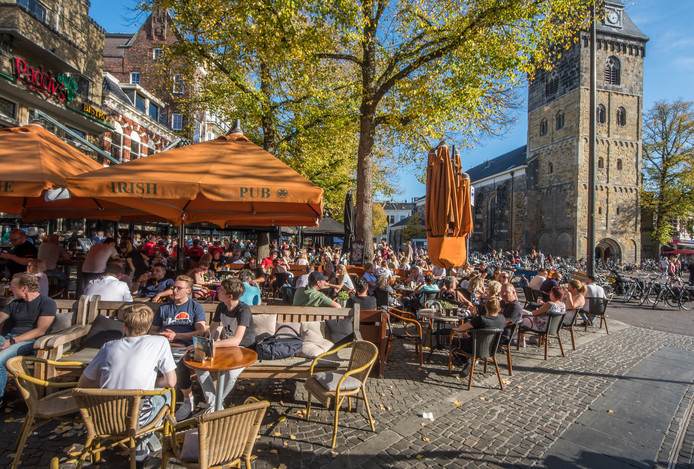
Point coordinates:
[(203, 278), (449, 292), (574, 295), (383, 292), (537, 320), (424, 291), (342, 280)]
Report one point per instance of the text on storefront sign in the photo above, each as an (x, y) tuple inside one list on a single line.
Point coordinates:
[(60, 87), (135, 188)]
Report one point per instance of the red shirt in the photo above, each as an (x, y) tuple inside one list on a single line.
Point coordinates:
[(266, 263), (149, 249), (213, 249), (195, 252)]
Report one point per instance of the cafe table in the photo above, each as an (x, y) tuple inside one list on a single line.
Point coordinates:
[(224, 359)]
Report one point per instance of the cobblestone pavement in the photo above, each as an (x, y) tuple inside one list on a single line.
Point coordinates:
[(484, 427)]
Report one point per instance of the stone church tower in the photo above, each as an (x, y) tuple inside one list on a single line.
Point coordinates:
[(558, 144)]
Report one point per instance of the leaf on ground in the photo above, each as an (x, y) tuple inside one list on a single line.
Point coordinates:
[(286, 443), (610, 411), (282, 403), (483, 398), (282, 419), (300, 413), (274, 451), (382, 407), (457, 404), (426, 439), (419, 457), (505, 381), (276, 433), (292, 437)]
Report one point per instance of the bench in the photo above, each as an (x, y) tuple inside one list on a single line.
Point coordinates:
[(63, 345)]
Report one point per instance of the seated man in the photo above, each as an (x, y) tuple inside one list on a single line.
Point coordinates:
[(361, 296), (29, 316), (137, 361), (152, 284), (311, 295), (179, 322), (109, 287)]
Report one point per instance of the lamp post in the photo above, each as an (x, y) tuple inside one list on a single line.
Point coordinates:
[(591, 145)]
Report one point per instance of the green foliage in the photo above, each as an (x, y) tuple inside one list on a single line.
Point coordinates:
[(379, 219), (668, 166), (414, 229)]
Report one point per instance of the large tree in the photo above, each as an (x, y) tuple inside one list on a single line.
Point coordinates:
[(668, 165)]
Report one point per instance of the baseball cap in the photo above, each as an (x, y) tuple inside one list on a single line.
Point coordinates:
[(315, 277)]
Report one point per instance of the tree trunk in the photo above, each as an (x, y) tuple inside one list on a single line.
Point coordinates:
[(267, 121)]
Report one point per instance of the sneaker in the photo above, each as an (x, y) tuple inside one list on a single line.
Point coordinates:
[(184, 411)]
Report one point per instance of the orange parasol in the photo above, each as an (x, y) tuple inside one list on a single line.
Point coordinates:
[(448, 210), (33, 166), (227, 181)]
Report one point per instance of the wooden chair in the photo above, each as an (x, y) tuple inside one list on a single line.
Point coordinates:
[(598, 307), (485, 344), (554, 323), (225, 438), (39, 409), (569, 323), (111, 417), (340, 385), (411, 332)]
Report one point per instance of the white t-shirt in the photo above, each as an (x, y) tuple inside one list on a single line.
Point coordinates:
[(131, 363), (347, 282), (438, 272), (301, 261), (97, 258), (595, 291), (301, 281), (536, 282), (50, 254), (109, 288)]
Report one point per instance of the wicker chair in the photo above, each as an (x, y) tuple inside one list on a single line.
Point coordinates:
[(485, 344), (39, 409), (569, 323), (111, 418), (339, 386), (412, 332), (554, 324), (225, 438)]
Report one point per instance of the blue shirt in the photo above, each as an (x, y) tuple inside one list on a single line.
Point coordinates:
[(153, 288), (251, 294), (179, 318)]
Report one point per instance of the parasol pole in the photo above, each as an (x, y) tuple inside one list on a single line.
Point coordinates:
[(181, 242)]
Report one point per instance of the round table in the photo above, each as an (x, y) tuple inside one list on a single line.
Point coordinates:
[(225, 359)]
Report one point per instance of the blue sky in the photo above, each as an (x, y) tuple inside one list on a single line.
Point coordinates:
[(669, 69)]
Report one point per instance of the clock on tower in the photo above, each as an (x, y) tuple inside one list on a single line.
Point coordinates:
[(613, 17)]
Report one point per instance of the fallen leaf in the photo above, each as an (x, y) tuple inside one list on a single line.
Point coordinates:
[(505, 381), (282, 403), (457, 404), (276, 433), (483, 398), (333, 453), (274, 451), (426, 439), (610, 411), (282, 419), (286, 443), (419, 457), (300, 412), (292, 437)]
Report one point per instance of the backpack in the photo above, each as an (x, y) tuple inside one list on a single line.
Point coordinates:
[(278, 346)]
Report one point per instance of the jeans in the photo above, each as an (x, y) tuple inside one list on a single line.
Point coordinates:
[(21, 348)]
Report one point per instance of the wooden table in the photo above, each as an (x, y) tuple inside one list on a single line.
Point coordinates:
[(225, 359)]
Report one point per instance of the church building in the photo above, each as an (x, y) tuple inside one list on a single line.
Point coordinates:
[(536, 196)]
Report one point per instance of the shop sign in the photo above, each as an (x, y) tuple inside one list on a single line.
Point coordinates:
[(94, 111), (60, 87)]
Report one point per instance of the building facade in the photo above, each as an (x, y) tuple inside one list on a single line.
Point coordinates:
[(50, 70), (537, 195), (396, 212)]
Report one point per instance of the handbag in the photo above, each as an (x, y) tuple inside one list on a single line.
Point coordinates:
[(279, 345)]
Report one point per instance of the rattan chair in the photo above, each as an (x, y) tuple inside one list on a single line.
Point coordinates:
[(111, 417), (554, 324), (225, 438), (340, 385), (411, 332), (39, 409), (485, 344)]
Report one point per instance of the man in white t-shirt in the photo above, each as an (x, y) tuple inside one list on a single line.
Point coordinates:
[(592, 291), (137, 361), (109, 287), (537, 281)]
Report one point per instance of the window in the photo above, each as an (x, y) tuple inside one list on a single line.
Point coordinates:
[(559, 120), (156, 53), (612, 71), (621, 117), (550, 168), (134, 146), (135, 78), (35, 8), (601, 162), (117, 142), (177, 121), (178, 84), (83, 86), (140, 103), (601, 114), (391, 219), (599, 210), (551, 85), (618, 210), (153, 111), (543, 127), (8, 108), (619, 165)]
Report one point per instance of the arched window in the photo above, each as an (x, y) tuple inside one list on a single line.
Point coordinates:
[(559, 120), (117, 141), (612, 71), (543, 127), (619, 165), (601, 114), (550, 168), (134, 145), (621, 117), (601, 162)]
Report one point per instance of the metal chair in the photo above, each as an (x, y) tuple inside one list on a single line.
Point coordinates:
[(554, 324), (569, 323), (598, 307), (485, 344), (530, 296), (505, 344), (340, 385), (225, 438), (40, 409)]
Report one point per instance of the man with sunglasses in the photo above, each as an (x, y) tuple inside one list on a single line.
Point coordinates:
[(22, 250)]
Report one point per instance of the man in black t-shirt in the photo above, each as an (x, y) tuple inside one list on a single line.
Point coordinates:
[(362, 297), (21, 252), (25, 319)]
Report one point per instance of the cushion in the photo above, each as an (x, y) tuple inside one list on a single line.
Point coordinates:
[(314, 344), (330, 379), (263, 324), (339, 329), (190, 450), (61, 322), (103, 330), (85, 355), (290, 328), (315, 326)]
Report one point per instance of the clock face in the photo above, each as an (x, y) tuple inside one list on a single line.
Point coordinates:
[(613, 18)]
